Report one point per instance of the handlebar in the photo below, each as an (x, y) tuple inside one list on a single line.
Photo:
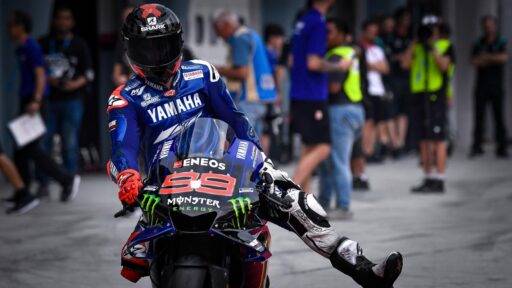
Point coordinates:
[(267, 185), (129, 208)]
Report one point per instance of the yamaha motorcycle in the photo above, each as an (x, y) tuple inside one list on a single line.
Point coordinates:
[(200, 205)]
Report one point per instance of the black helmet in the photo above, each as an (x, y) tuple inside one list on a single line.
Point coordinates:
[(154, 42)]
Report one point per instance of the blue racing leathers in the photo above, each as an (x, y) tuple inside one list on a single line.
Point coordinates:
[(143, 114)]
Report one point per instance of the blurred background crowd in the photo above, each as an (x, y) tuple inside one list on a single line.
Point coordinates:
[(353, 83)]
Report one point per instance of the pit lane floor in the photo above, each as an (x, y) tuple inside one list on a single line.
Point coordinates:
[(460, 239)]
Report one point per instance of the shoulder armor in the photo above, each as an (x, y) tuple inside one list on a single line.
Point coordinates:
[(116, 100)]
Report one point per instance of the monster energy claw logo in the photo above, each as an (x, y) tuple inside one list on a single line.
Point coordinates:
[(148, 205), (241, 207)]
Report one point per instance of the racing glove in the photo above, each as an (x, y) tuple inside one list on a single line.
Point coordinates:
[(130, 184)]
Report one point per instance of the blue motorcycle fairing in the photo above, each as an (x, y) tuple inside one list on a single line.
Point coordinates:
[(152, 233)]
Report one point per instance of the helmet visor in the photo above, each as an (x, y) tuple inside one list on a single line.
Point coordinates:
[(153, 52)]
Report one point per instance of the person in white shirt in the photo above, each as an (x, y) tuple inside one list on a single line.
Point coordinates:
[(378, 108)]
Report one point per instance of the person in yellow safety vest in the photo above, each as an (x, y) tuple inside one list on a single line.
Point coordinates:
[(346, 117), (431, 61)]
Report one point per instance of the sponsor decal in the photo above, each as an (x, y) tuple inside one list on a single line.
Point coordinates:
[(191, 200), (131, 84), (138, 251), (193, 75), (170, 93), (208, 183), (191, 67), (116, 101), (245, 190), (148, 205), (112, 170), (165, 149), (154, 85), (151, 20), (254, 156), (252, 132), (205, 162), (148, 100), (138, 91), (175, 129), (112, 125), (174, 107), (241, 207), (241, 152), (192, 209), (152, 25), (151, 188)]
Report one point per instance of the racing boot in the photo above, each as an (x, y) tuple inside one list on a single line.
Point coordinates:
[(348, 258), (136, 267)]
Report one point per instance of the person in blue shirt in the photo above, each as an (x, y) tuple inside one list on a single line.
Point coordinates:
[(163, 97), (309, 88), (32, 90), (249, 73), (274, 41)]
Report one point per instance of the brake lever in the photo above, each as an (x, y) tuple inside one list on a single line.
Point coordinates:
[(123, 212), (282, 202)]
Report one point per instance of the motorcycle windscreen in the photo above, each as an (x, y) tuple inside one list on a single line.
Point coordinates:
[(208, 169)]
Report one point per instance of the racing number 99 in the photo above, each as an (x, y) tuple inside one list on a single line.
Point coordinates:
[(209, 183)]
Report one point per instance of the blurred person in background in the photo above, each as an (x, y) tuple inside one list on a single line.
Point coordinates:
[(13, 176), (378, 127), (429, 59), (397, 42), (121, 70), (489, 58), (445, 36), (249, 72), (309, 91), (274, 41), (385, 38), (32, 90), (346, 119), (360, 181), (69, 65)]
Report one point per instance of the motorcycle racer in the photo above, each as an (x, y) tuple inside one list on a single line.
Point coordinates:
[(167, 95)]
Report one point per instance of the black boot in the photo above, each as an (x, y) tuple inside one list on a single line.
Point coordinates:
[(348, 259), (437, 186), (423, 187)]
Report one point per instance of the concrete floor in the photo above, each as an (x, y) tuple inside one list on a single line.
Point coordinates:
[(460, 239)]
